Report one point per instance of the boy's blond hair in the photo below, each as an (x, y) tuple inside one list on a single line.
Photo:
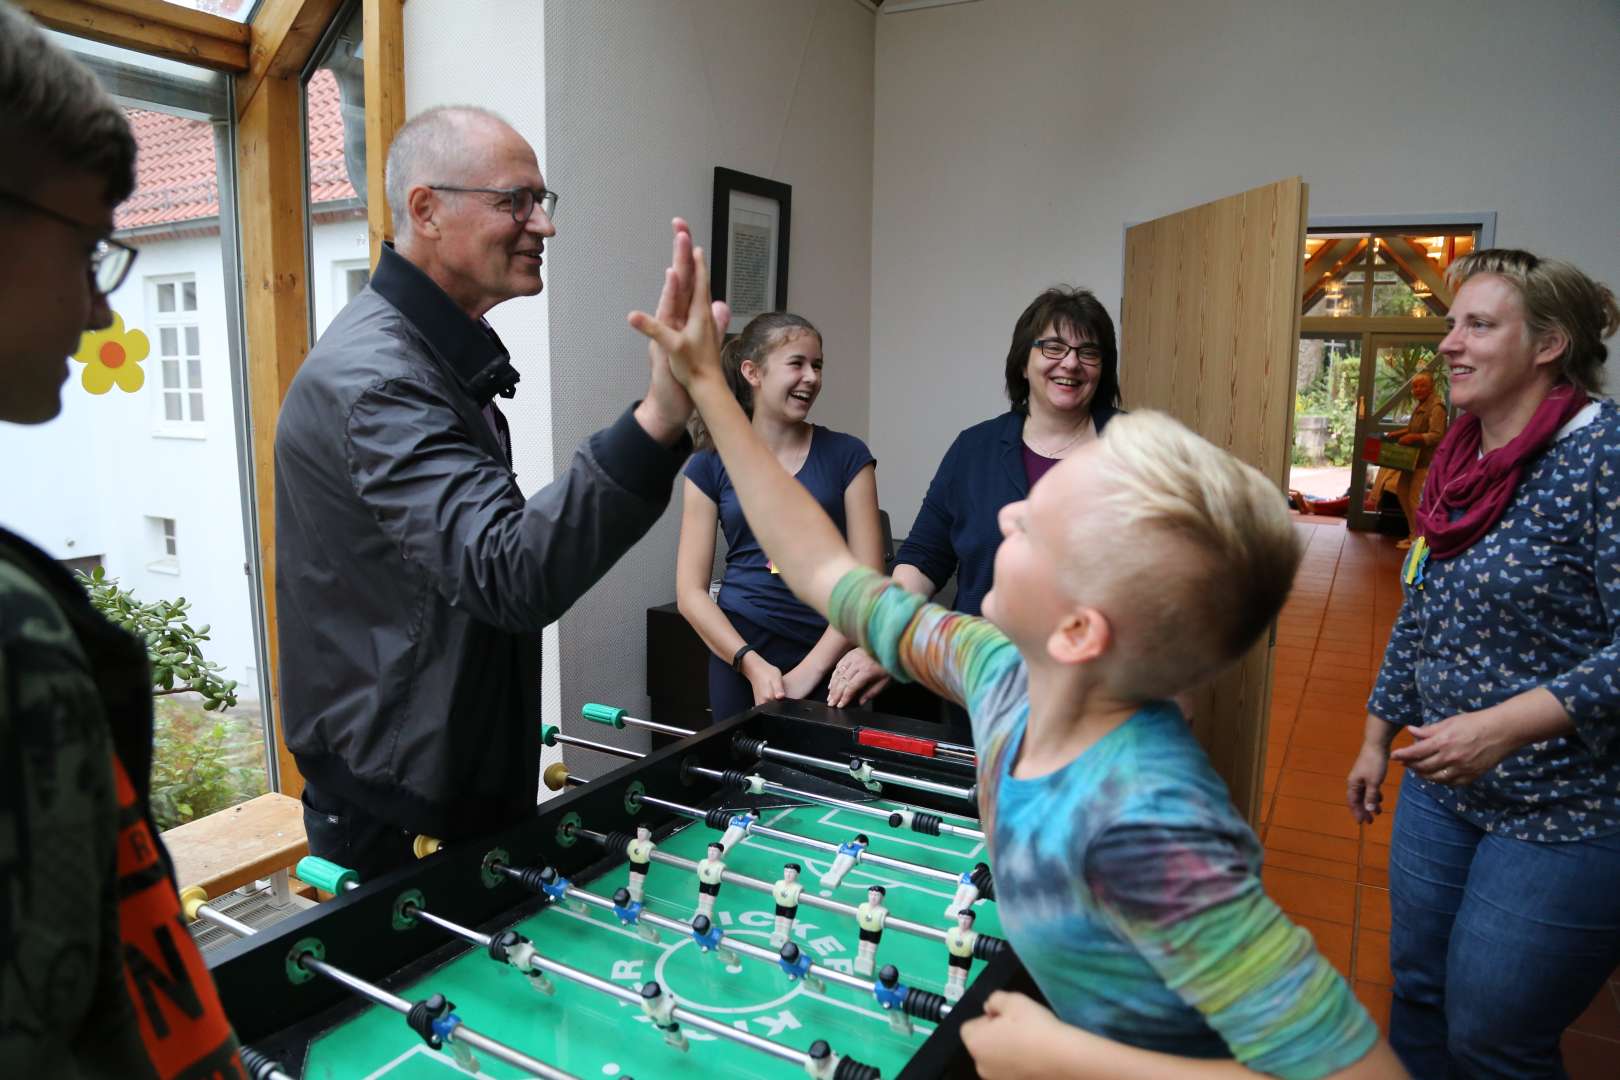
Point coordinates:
[(1200, 557)]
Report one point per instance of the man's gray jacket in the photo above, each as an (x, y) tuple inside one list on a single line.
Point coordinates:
[(412, 576)]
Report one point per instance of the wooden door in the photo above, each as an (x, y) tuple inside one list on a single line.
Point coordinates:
[(1210, 332)]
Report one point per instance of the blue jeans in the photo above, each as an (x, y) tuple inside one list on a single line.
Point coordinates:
[(1497, 944)]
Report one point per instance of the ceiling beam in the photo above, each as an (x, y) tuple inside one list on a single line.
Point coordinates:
[(152, 27), (1329, 259), (1413, 263), (285, 34)]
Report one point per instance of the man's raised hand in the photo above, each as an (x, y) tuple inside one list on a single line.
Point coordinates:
[(690, 339)]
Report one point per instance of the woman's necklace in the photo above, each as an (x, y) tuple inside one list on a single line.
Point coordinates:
[(1085, 426)]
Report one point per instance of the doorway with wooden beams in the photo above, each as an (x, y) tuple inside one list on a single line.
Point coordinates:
[(1373, 301)]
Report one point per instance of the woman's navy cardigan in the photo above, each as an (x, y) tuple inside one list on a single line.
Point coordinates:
[(956, 529)]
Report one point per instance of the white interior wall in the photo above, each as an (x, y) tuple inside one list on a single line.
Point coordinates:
[(491, 54), (1015, 138), (644, 99)]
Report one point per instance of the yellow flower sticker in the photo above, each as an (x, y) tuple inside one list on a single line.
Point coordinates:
[(112, 356)]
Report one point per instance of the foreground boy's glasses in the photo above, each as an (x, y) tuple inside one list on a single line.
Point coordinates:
[(110, 259)]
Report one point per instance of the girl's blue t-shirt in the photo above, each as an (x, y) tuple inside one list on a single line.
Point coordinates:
[(752, 587)]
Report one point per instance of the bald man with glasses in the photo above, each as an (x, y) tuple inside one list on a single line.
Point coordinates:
[(413, 577)]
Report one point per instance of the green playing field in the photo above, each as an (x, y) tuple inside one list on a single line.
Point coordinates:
[(590, 1034)]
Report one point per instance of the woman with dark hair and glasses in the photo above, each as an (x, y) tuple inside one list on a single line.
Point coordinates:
[(1062, 376)]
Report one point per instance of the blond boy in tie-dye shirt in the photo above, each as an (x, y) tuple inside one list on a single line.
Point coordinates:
[(1125, 881)]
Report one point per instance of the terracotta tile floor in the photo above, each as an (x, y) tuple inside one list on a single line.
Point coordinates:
[(1327, 872)]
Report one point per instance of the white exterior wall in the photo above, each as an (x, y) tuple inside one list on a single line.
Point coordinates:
[(86, 483), (334, 247), (1016, 138)]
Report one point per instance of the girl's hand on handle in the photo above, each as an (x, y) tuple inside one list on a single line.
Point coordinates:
[(765, 677)]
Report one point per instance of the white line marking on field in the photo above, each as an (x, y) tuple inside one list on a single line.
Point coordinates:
[(416, 1051), (890, 838)]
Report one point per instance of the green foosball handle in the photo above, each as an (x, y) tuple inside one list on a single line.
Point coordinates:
[(548, 734), (324, 875), (603, 714)]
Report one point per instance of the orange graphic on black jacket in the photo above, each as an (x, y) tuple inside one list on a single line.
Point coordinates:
[(181, 1021)]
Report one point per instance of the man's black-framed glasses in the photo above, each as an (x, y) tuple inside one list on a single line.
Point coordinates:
[(520, 200), (110, 260), (1056, 349)]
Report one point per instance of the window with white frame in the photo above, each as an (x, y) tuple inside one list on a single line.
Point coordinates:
[(163, 544), (352, 277), (177, 329)]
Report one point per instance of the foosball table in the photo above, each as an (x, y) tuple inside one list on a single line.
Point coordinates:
[(786, 893)]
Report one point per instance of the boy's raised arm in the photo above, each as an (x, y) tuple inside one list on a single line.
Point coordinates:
[(797, 535)]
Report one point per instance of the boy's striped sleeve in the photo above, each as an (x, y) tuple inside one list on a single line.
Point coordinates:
[(1188, 902), (956, 656)]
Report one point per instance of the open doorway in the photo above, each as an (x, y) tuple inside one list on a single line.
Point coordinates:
[(1373, 301)]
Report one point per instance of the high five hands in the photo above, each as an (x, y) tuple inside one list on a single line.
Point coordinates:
[(667, 406), (684, 336)]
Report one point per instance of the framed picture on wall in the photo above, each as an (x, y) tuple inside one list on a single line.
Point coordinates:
[(748, 251)]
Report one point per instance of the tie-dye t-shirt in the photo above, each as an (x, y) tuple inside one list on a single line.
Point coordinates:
[(1126, 882)]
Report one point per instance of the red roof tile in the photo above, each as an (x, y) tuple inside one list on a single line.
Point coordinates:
[(175, 179)]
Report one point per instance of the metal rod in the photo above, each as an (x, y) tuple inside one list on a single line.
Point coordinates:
[(743, 948), (601, 748), (882, 775), (462, 1032), (585, 978), (819, 845), (806, 898), (841, 804), (226, 922), (653, 725)]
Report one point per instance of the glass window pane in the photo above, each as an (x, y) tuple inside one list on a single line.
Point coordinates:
[(194, 374), (235, 10), (334, 110), (174, 218), (1397, 300)]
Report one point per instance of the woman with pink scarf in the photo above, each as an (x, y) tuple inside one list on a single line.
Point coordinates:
[(1504, 663)]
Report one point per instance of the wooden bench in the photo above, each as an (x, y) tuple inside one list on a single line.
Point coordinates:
[(235, 847)]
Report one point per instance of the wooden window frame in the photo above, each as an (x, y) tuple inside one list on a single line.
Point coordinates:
[(266, 58)]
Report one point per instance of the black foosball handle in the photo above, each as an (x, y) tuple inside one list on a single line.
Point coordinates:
[(260, 1066)]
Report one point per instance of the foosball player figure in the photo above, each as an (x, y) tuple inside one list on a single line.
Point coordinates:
[(660, 1008), (710, 871), (967, 889), (870, 916), (959, 941), (629, 913), (639, 852), (737, 828), (786, 894), (823, 1064), (796, 965), (708, 936), (849, 853), (891, 993)]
